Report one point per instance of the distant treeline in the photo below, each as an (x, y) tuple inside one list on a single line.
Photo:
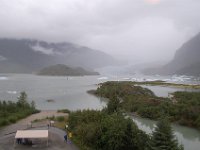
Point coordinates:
[(182, 107), (10, 111)]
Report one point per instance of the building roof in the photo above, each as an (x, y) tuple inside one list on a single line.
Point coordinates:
[(31, 134)]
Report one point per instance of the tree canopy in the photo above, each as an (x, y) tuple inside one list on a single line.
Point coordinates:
[(10, 111), (163, 137)]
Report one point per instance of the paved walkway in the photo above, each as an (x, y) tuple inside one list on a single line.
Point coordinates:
[(56, 136)]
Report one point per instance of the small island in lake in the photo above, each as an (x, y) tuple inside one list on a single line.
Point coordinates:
[(64, 70)]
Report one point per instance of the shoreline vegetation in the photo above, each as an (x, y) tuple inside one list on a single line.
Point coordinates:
[(64, 70), (11, 112), (182, 108), (105, 129), (163, 83), (111, 129)]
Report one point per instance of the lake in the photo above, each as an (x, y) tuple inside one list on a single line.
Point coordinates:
[(71, 93), (164, 91), (67, 92), (190, 138)]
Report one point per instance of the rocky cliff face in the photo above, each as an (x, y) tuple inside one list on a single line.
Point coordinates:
[(186, 60)]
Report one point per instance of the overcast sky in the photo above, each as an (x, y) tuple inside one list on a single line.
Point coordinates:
[(136, 30)]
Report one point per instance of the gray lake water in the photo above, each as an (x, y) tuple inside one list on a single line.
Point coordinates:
[(190, 138), (71, 93), (67, 92), (164, 91)]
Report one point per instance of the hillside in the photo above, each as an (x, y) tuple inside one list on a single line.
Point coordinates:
[(63, 70), (27, 56), (186, 60)]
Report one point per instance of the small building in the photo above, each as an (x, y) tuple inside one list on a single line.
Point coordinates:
[(32, 134)]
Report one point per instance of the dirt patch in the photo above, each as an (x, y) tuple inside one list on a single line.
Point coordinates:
[(25, 123)]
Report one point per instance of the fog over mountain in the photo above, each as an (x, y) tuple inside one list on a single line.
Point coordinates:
[(28, 56), (185, 62), (131, 30)]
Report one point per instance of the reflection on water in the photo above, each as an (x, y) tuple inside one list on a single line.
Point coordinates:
[(190, 138)]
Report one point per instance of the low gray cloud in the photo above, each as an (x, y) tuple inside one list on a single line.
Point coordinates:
[(134, 30), (2, 58), (46, 51)]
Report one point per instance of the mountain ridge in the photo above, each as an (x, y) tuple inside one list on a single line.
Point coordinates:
[(185, 62), (27, 56)]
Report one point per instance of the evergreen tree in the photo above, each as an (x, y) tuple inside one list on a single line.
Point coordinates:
[(22, 100), (163, 137), (32, 105), (113, 105), (130, 137)]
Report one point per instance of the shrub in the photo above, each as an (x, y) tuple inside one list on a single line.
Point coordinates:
[(64, 111), (4, 122), (12, 119), (60, 118)]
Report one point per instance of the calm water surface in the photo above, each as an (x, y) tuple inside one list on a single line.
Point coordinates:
[(190, 138), (164, 91), (67, 92)]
